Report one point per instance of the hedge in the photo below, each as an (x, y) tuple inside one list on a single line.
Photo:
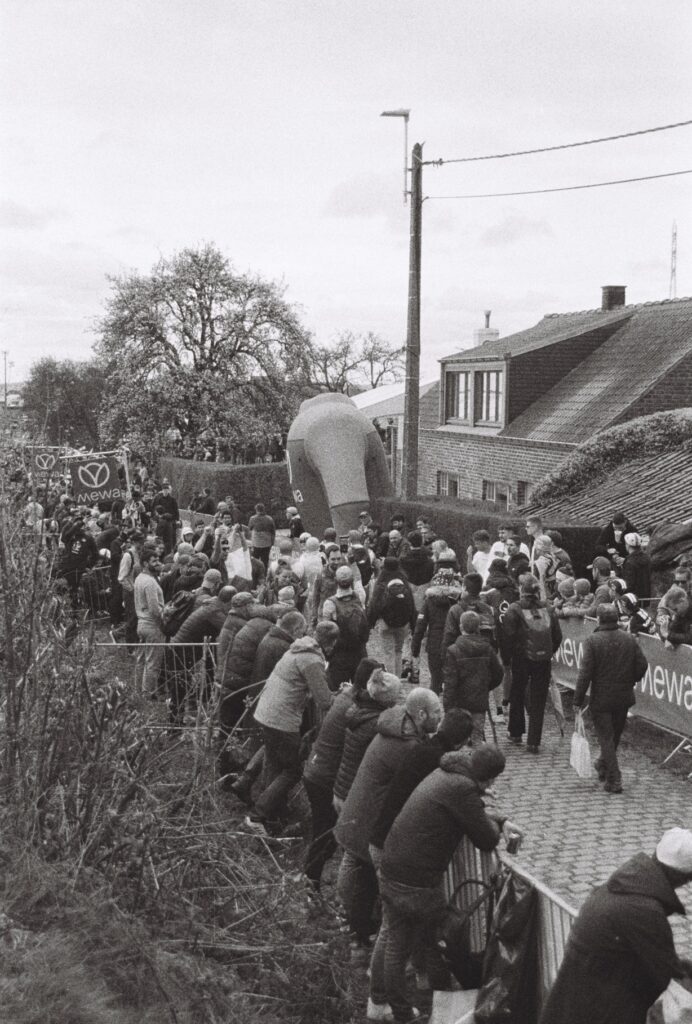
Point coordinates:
[(457, 521), (265, 482)]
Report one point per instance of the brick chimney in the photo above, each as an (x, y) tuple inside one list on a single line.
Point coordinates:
[(612, 296), (484, 334)]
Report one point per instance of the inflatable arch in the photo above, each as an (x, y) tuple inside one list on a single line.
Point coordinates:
[(336, 463)]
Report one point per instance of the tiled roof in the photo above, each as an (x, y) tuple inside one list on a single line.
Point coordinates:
[(553, 328), (644, 348), (651, 490)]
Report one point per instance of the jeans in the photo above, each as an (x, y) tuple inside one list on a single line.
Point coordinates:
[(478, 730), (149, 659), (262, 554), (282, 769), (323, 845), (609, 726), (410, 916), (180, 664), (536, 675), (357, 890), (130, 616), (393, 640)]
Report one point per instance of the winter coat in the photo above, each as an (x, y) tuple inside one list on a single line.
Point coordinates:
[(396, 732), (432, 618), (500, 591), (444, 808), (636, 572), (240, 659), (468, 604), (325, 586), (514, 628), (299, 676), (606, 540), (235, 620), (419, 762), (613, 663), (680, 629), (471, 670), (418, 565), (270, 651), (205, 621), (323, 763), (361, 729), (620, 954), (380, 603)]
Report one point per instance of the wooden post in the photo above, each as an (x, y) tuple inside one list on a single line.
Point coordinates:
[(409, 470)]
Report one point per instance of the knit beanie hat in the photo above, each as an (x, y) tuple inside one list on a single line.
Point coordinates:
[(582, 587), (384, 687), (566, 588)]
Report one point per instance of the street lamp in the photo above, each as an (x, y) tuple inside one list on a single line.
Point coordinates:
[(405, 114)]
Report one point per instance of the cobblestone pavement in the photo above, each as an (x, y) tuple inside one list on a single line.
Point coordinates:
[(576, 835)]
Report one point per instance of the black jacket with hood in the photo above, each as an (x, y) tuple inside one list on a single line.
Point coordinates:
[(471, 670), (620, 954), (439, 598), (515, 629)]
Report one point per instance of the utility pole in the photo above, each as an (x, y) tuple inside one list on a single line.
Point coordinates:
[(409, 469), (5, 353), (673, 289)]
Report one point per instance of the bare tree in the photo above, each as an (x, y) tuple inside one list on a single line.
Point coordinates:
[(355, 362)]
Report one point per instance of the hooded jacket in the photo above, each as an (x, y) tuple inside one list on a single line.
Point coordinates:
[(418, 565), (207, 620), (612, 663), (396, 731), (471, 670), (444, 808), (240, 659), (439, 598), (235, 620), (419, 762), (620, 952), (514, 627), (298, 676), (361, 729), (325, 757), (270, 651), (466, 603)]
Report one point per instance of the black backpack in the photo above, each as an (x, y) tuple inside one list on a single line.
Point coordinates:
[(352, 621), (176, 611), (397, 606), (362, 560)]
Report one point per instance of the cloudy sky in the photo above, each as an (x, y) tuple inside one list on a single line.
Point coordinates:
[(132, 128)]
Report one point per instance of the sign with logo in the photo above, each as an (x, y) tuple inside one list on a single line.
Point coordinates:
[(95, 480), (664, 695), (44, 460)]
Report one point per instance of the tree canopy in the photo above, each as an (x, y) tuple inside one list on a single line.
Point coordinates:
[(64, 399)]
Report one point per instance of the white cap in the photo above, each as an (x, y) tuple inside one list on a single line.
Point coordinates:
[(675, 849), (633, 540)]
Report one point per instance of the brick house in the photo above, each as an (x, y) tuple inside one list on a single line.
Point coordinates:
[(511, 409)]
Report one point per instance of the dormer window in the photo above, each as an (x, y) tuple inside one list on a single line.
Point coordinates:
[(457, 397), (488, 397)]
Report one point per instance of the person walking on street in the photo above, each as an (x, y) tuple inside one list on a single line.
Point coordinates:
[(442, 594), (620, 953), (345, 609), (392, 602), (612, 664), (530, 634), (471, 670)]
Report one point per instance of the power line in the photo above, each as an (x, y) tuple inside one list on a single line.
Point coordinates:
[(565, 188), (566, 145)]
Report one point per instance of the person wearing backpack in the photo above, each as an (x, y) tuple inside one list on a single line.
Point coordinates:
[(345, 609), (392, 602), (530, 636), (471, 670)]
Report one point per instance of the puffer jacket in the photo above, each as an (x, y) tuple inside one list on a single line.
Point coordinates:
[(240, 659), (322, 766), (271, 650), (444, 808), (471, 670), (431, 620), (206, 620), (396, 731), (361, 729), (612, 664), (300, 675), (235, 620), (620, 954)]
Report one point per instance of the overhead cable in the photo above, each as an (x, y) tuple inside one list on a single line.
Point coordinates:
[(566, 145), (564, 188)]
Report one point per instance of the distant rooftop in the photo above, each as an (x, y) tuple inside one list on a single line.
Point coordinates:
[(388, 399)]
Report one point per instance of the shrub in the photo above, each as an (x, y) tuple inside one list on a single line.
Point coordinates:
[(263, 482), (597, 457), (457, 521)]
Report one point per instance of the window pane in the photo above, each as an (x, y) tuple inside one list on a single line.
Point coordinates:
[(453, 487), (451, 395)]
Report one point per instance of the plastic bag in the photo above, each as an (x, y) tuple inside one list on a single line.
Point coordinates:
[(510, 966), (674, 1006), (580, 754)]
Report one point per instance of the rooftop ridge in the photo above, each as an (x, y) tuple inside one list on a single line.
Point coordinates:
[(632, 306)]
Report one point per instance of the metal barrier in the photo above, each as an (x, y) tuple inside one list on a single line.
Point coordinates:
[(95, 591), (555, 916)]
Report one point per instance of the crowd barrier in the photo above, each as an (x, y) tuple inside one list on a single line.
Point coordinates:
[(664, 695), (555, 916)]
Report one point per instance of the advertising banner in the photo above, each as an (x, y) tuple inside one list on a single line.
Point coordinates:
[(664, 695), (45, 461), (95, 479)]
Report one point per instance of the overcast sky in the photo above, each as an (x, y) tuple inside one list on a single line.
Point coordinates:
[(132, 128)]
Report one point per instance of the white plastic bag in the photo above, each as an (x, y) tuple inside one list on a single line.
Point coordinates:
[(580, 754), (674, 1006)]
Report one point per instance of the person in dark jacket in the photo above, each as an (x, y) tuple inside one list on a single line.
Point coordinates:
[(203, 623), (502, 590), (393, 605), (530, 635), (444, 808), (444, 591), (636, 569), (620, 953), (470, 601), (321, 768), (397, 728), (346, 610), (612, 664), (610, 542), (167, 503), (471, 670), (244, 607), (419, 566)]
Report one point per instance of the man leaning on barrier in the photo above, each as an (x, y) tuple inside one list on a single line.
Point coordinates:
[(620, 954)]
